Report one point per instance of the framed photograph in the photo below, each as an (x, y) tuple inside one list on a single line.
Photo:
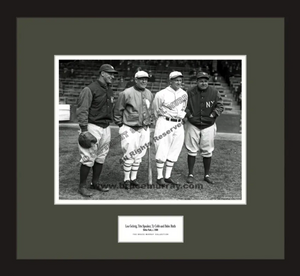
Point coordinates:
[(239, 216), (225, 74)]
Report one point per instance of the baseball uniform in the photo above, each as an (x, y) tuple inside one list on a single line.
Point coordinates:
[(204, 106), (133, 115), (94, 113), (169, 109)]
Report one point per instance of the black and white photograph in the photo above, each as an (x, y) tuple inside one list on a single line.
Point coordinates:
[(165, 136), (150, 129)]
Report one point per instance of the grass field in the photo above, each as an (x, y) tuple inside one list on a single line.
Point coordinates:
[(225, 171)]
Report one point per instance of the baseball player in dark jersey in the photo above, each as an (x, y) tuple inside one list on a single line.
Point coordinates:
[(204, 106), (94, 113)]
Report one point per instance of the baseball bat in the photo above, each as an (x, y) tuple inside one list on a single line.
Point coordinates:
[(149, 161)]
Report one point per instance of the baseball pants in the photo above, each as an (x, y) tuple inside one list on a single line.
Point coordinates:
[(168, 139), (199, 140), (134, 143), (99, 151)]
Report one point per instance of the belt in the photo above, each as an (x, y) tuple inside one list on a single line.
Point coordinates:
[(172, 120)]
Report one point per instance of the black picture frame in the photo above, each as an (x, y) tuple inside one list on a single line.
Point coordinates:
[(190, 263)]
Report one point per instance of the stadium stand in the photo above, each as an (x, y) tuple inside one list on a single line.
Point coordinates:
[(228, 83)]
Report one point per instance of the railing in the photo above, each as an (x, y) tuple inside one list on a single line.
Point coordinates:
[(88, 72)]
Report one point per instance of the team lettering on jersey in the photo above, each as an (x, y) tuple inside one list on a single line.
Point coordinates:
[(209, 104)]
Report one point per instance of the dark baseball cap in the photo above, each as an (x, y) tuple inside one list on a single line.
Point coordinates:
[(107, 68), (203, 75)]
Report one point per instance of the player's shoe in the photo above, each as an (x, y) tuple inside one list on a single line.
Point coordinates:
[(99, 187), (134, 183), (161, 182), (170, 181), (208, 180), (126, 185), (84, 192), (190, 179)]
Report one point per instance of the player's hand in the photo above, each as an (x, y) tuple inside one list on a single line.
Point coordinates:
[(152, 125), (213, 115), (181, 114)]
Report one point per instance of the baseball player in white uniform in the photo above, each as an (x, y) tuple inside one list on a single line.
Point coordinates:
[(169, 107), (133, 115)]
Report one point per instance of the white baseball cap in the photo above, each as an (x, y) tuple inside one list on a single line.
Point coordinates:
[(141, 74), (174, 75)]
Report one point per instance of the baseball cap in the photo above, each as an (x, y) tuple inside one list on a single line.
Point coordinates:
[(202, 75), (175, 74), (141, 74), (107, 68)]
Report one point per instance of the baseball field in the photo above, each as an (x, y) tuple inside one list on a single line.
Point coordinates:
[(225, 171)]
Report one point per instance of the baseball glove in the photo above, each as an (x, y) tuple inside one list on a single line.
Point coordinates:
[(86, 139)]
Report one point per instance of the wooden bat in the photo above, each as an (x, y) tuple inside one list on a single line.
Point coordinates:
[(149, 161)]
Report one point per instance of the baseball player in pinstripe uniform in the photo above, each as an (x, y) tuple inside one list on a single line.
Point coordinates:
[(132, 114), (204, 106), (169, 107)]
